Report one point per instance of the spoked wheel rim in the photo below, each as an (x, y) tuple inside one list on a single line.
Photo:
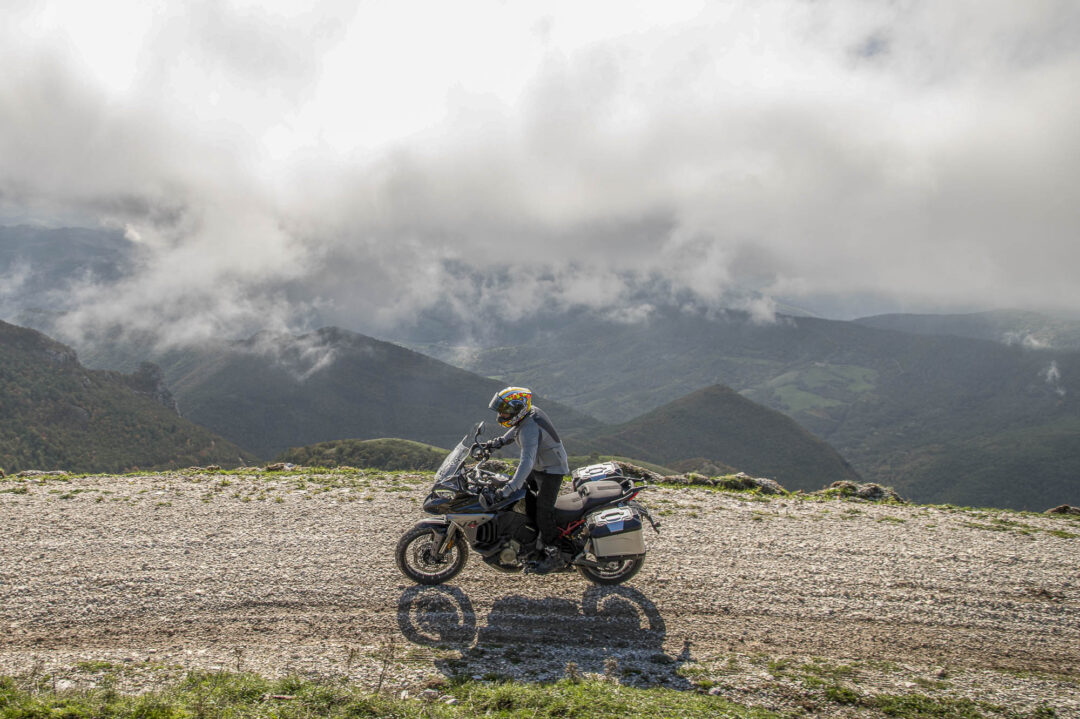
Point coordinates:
[(423, 558)]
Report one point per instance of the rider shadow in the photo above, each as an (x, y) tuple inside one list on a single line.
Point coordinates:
[(524, 636)]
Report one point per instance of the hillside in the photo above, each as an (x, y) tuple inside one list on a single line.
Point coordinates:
[(386, 454), (56, 414), (272, 392), (792, 606), (1030, 329), (941, 418), (722, 426)]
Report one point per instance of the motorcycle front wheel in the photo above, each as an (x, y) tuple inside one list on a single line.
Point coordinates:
[(614, 572), (418, 558)]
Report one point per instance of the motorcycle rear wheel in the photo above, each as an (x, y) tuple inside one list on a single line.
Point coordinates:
[(612, 573), (417, 558)]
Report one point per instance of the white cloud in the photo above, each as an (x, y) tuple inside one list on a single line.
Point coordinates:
[(277, 158), (1052, 375)]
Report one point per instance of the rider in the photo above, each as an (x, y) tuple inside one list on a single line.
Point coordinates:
[(542, 462)]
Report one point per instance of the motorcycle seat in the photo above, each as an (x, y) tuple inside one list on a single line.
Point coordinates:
[(570, 506)]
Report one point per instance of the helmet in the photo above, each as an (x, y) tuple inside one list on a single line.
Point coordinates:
[(512, 404)]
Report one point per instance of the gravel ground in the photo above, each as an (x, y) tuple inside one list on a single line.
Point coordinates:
[(769, 602)]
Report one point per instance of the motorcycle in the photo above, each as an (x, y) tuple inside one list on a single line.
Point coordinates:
[(600, 522)]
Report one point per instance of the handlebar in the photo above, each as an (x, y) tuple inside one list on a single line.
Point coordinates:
[(479, 451)]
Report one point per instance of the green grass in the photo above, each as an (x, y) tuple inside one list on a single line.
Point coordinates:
[(799, 400), (239, 696), (922, 706), (1005, 525), (389, 454)]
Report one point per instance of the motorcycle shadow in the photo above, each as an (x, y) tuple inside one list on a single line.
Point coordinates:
[(535, 638)]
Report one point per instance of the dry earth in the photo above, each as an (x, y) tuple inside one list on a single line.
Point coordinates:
[(767, 601)]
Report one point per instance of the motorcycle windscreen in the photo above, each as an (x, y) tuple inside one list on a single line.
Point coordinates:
[(452, 463)]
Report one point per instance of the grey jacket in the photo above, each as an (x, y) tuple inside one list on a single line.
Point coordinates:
[(541, 448)]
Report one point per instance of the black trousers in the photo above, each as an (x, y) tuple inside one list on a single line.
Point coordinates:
[(541, 507)]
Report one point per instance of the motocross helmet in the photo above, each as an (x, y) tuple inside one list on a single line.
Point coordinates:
[(511, 404)]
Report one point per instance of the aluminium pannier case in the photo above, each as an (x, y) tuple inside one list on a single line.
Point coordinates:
[(615, 532), (596, 472)]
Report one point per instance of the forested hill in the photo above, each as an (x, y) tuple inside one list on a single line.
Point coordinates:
[(389, 454), (718, 424), (56, 414)]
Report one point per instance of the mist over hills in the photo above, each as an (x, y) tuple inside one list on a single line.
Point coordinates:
[(56, 414), (39, 266), (1016, 327)]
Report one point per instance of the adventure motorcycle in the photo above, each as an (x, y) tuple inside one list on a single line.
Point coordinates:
[(599, 522)]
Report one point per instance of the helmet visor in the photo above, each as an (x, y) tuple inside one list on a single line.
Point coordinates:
[(503, 407)]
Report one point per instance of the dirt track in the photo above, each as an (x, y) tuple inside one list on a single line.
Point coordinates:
[(282, 574)]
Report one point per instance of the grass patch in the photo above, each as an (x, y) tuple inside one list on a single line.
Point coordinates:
[(826, 670), (918, 706), (1006, 525), (987, 527), (222, 694), (921, 706), (97, 666)]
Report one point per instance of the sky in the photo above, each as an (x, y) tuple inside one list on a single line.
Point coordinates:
[(283, 163)]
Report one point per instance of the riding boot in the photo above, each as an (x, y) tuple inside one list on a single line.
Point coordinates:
[(551, 559)]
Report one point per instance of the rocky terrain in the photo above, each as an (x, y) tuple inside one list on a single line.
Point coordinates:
[(795, 604)]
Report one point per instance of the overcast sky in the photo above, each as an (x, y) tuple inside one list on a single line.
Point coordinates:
[(275, 159)]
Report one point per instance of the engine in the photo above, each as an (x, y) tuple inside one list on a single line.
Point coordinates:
[(512, 535)]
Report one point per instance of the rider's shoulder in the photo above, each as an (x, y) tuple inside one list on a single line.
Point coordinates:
[(528, 420)]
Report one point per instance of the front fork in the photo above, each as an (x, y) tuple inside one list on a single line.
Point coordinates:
[(451, 535), (447, 533)]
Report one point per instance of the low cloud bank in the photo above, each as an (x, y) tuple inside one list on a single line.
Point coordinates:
[(278, 168)]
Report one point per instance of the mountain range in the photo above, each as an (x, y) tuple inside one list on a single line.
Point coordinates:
[(940, 417), (342, 394), (969, 409), (273, 392)]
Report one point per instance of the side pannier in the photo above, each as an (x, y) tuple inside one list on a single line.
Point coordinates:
[(615, 532)]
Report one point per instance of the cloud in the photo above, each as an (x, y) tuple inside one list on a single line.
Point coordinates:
[(302, 357), (1027, 340), (283, 166), (1052, 375), (12, 284)]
